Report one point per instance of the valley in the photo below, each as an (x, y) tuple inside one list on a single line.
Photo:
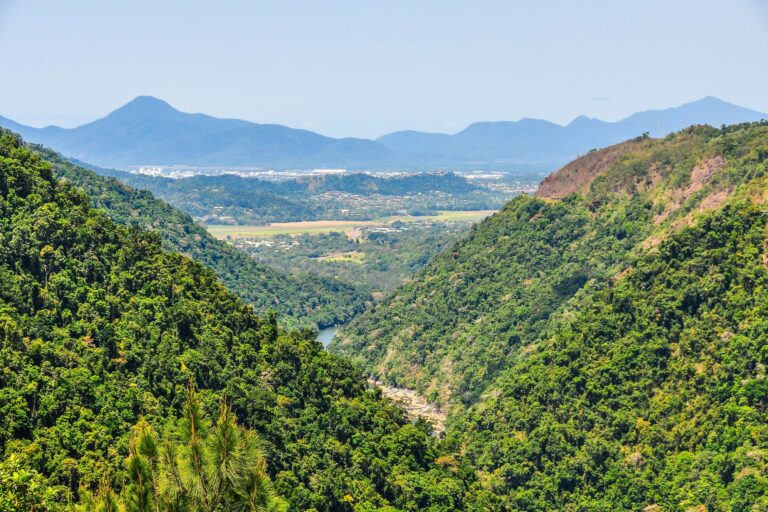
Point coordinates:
[(376, 256), (350, 228), (368, 230), (383, 256), (629, 286)]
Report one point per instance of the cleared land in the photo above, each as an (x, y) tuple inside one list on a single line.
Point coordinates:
[(344, 257), (287, 228), (324, 226), (446, 215)]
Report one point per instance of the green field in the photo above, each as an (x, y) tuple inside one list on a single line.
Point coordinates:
[(345, 257), (445, 215), (324, 226)]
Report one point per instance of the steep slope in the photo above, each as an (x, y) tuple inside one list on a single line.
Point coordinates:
[(460, 322), (649, 394), (307, 300), (453, 327), (100, 327), (577, 176), (643, 386)]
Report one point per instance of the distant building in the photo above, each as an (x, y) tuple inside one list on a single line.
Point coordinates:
[(151, 171), (329, 171)]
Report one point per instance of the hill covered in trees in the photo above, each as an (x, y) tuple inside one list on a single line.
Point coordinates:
[(599, 346), (451, 329), (602, 346), (304, 299), (102, 330), (249, 200)]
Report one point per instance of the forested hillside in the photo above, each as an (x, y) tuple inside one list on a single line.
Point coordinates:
[(101, 330), (601, 346), (648, 393), (304, 299), (450, 330), (614, 357)]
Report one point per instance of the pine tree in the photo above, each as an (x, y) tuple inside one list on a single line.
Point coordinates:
[(207, 469)]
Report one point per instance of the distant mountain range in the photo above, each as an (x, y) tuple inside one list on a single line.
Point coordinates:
[(149, 131)]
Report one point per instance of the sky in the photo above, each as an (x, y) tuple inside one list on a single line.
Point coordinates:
[(364, 68)]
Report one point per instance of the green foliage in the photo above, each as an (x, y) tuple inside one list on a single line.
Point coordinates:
[(206, 469), (462, 320), (99, 326), (650, 391), (25, 489), (305, 299)]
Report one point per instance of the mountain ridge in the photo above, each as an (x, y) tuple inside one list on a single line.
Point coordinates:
[(150, 131)]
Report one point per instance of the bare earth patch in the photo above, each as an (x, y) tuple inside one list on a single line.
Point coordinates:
[(414, 404), (700, 176), (578, 175)]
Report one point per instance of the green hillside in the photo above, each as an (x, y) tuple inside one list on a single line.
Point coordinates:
[(457, 324), (648, 393), (605, 348), (102, 330), (304, 299), (599, 347), (450, 330)]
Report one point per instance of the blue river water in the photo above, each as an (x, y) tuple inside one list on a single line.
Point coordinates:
[(326, 335)]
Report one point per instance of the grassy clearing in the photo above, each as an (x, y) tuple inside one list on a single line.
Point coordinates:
[(324, 226), (288, 228), (447, 215), (344, 257)]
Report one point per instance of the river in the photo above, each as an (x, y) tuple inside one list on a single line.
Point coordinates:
[(326, 335), (414, 405)]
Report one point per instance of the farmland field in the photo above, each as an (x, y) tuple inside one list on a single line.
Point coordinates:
[(325, 226), (288, 228)]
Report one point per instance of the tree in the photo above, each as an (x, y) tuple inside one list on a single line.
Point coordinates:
[(206, 469), (25, 489)]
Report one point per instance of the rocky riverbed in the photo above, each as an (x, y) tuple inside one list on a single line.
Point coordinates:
[(414, 404)]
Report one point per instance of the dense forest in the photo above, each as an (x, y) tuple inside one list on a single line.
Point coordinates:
[(649, 392), (304, 299), (602, 349), (103, 337), (598, 346), (450, 330), (461, 321)]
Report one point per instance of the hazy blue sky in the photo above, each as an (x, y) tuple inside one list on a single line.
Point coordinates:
[(365, 68)]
